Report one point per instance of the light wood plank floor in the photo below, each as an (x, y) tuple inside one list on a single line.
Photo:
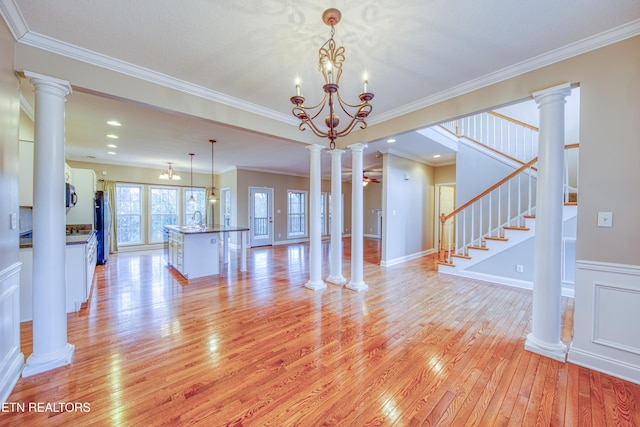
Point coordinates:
[(257, 348)]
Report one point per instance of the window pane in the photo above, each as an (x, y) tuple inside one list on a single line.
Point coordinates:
[(129, 213), (191, 209), (296, 213), (164, 211)]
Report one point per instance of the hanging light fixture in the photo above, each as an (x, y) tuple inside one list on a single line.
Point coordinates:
[(212, 197), (170, 174), (330, 63), (192, 200)]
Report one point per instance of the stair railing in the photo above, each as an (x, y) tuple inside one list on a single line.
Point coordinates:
[(505, 204), (508, 136)]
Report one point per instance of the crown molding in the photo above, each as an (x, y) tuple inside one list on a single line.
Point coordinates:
[(21, 33), (597, 41), (14, 19)]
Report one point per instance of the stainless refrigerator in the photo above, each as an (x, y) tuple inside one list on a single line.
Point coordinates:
[(103, 226)]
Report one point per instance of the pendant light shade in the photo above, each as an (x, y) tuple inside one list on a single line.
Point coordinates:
[(192, 200)]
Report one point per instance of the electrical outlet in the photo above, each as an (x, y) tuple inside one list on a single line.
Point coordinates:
[(519, 268)]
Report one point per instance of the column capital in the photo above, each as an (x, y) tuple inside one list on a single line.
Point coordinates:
[(555, 92), (360, 146), (336, 152), (40, 79), (315, 147)]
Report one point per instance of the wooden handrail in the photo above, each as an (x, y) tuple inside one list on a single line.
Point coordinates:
[(509, 119), (444, 218)]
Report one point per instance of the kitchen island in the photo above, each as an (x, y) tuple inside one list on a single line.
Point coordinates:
[(194, 250)]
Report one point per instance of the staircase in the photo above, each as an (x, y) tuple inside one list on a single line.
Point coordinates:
[(503, 215)]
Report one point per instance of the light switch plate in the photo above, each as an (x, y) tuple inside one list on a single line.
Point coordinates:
[(605, 219)]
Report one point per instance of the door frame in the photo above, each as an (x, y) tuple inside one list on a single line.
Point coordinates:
[(436, 234), (270, 204)]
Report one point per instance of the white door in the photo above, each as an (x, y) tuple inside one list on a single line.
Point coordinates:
[(261, 216)]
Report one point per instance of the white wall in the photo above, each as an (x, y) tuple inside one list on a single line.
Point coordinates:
[(11, 358)]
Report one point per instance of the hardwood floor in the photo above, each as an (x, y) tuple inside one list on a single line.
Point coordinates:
[(257, 348)]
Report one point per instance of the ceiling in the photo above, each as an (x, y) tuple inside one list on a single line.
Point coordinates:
[(415, 52)]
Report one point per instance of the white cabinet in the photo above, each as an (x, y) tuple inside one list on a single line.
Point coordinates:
[(25, 176), (80, 266), (84, 181), (194, 254)]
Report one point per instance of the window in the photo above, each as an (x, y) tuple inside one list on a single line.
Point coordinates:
[(323, 215), (227, 208), (297, 218), (164, 210), (190, 209), (129, 213)]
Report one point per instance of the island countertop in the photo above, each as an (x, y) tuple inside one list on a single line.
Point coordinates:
[(194, 229)]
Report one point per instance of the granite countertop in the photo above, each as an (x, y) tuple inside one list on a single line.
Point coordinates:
[(194, 229), (72, 239)]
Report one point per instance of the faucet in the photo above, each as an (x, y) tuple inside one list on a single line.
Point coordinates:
[(200, 223)]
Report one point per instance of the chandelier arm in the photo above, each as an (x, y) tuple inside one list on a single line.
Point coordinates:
[(352, 124)]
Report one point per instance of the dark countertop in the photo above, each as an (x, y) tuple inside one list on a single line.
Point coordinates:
[(72, 239), (199, 230)]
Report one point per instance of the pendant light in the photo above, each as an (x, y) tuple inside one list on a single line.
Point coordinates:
[(192, 200), (212, 197)]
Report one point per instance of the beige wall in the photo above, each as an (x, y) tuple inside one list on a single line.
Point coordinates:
[(281, 184), (445, 174), (609, 148), (372, 203), (408, 195), (9, 125)]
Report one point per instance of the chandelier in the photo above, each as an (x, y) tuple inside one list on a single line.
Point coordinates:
[(330, 63), (170, 174), (212, 197)]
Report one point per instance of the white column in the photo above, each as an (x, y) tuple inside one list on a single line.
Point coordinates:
[(315, 231), (335, 270), (357, 223), (547, 277), (50, 347)]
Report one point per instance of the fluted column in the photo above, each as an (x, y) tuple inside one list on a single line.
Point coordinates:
[(50, 347), (315, 221), (335, 270), (547, 278), (357, 220)]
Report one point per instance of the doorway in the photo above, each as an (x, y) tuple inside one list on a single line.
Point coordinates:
[(261, 216), (445, 204)]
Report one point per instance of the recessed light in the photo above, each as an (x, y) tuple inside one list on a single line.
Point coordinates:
[(112, 146), (111, 152), (114, 123), (112, 136), (391, 141), (435, 156)]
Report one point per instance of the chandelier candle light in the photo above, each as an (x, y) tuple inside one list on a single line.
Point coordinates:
[(330, 63)]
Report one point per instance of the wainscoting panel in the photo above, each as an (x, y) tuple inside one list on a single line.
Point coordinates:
[(606, 317), (11, 359)]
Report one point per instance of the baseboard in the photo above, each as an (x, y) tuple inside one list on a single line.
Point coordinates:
[(507, 281), (406, 258), (605, 365)]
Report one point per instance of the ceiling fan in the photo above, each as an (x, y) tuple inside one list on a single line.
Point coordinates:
[(365, 178)]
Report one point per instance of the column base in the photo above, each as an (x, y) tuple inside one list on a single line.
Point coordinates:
[(316, 285), (357, 286), (553, 351), (38, 364), (336, 280)]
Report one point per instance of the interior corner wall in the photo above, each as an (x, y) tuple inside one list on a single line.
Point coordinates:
[(11, 358), (408, 206)]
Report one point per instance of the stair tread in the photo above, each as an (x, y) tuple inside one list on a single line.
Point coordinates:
[(501, 239), (446, 263), (480, 248), (461, 256), (530, 216), (516, 228)]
